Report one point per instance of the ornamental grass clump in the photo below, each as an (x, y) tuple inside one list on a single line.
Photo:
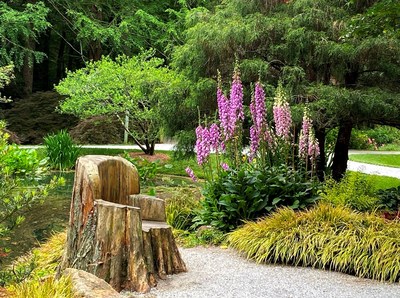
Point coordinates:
[(61, 151), (326, 237), (273, 174)]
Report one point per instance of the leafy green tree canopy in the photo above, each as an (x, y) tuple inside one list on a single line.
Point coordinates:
[(138, 87), (18, 26)]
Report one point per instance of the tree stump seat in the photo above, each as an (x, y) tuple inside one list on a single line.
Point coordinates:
[(116, 233)]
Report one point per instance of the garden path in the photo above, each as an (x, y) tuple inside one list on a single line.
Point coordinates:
[(373, 169), (216, 272)]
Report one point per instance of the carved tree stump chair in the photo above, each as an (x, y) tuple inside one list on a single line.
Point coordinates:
[(114, 232)]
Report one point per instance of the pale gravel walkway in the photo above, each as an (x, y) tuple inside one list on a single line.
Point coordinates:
[(215, 272)]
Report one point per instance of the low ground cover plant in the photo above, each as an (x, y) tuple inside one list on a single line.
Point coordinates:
[(328, 237)]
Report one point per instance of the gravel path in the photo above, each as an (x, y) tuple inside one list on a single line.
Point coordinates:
[(373, 169), (215, 272)]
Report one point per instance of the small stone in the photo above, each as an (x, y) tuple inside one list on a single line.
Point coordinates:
[(87, 285)]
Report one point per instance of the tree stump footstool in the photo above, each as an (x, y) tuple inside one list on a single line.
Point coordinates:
[(116, 233)]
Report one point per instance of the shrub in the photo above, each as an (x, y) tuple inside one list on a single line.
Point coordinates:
[(327, 237), (206, 236), (98, 130), (61, 150), (353, 191), (389, 198), (184, 149), (359, 140), (384, 134), (247, 193)]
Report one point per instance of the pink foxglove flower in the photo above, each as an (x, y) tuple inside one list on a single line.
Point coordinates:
[(236, 97), (225, 166), (191, 174), (282, 114), (214, 137), (258, 114), (304, 134), (313, 147)]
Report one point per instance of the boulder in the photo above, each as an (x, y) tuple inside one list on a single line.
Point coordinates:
[(87, 285)]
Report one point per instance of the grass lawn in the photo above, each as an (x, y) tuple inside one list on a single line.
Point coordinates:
[(390, 160), (382, 182)]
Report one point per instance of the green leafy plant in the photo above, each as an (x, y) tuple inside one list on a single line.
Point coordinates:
[(147, 169), (245, 194), (389, 198), (181, 209), (20, 186), (354, 191), (184, 149), (61, 151), (327, 237)]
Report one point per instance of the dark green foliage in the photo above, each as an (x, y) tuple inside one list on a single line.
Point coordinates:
[(384, 135), (326, 237), (18, 26), (353, 191), (359, 141), (61, 151), (389, 198), (246, 194), (184, 149), (40, 117), (98, 130)]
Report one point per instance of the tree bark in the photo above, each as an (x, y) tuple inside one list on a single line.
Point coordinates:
[(341, 155), (106, 235)]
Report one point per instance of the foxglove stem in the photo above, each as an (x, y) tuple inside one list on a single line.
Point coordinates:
[(282, 114)]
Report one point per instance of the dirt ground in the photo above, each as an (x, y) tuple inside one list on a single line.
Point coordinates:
[(162, 157)]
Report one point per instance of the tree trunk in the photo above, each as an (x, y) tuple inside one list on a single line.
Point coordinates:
[(106, 235), (27, 69), (341, 155)]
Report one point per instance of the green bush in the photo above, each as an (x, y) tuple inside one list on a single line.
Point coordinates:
[(61, 151), (245, 194), (327, 237), (184, 149), (389, 198), (353, 191), (384, 135), (181, 210), (359, 140)]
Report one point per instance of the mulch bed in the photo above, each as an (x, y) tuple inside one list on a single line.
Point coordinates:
[(162, 157)]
